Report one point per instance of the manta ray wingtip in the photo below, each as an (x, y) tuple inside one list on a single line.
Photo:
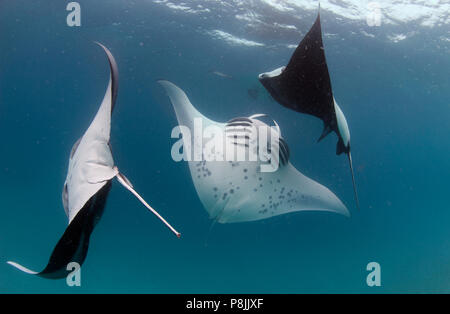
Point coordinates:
[(163, 81), (347, 213), (342, 210), (99, 44), (22, 268), (318, 14), (326, 130)]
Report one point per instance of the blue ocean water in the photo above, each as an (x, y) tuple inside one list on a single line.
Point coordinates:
[(395, 96)]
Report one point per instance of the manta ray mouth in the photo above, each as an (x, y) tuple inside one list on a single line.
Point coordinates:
[(242, 131)]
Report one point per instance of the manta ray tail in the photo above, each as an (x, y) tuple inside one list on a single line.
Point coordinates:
[(74, 243), (353, 179), (127, 184)]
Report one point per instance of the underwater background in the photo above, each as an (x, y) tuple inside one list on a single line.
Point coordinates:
[(392, 82)]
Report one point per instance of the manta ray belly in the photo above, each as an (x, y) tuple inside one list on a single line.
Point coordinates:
[(273, 73), (342, 124), (90, 168), (238, 192)]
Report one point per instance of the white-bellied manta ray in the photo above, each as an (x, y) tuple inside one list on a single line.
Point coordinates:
[(304, 86), (238, 191), (91, 170)]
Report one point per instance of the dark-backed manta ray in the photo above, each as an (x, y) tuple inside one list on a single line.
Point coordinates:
[(238, 191), (304, 86), (91, 170)]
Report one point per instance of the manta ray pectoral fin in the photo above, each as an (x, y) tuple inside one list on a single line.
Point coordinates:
[(326, 130), (127, 184), (186, 113), (304, 85), (101, 125), (22, 268), (114, 74), (74, 243), (184, 110)]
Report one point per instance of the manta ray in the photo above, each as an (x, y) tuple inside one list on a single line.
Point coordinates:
[(239, 191), (88, 182), (304, 85)]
